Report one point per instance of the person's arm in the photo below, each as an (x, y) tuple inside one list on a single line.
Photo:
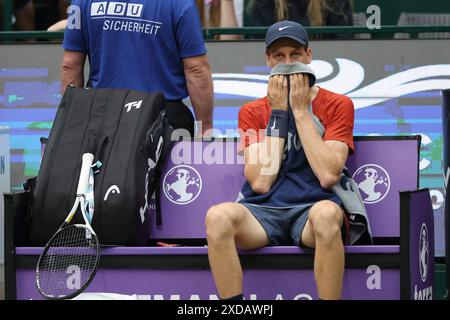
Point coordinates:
[(197, 70), (72, 68), (263, 159), (263, 162), (326, 158), (200, 89), (228, 19), (58, 26)]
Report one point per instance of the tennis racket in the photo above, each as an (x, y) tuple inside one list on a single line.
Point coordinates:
[(70, 258)]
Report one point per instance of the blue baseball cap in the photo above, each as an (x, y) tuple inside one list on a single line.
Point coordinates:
[(287, 29)]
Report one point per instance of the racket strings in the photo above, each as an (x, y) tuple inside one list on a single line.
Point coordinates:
[(69, 262)]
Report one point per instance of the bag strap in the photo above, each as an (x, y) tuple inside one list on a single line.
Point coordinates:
[(157, 197), (167, 144), (158, 142)]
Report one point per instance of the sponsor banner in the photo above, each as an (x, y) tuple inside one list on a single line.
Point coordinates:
[(362, 284)]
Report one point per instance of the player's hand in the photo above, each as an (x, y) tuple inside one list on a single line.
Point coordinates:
[(277, 92), (300, 93)]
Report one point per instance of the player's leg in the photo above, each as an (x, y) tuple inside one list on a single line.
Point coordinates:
[(229, 225), (322, 231)]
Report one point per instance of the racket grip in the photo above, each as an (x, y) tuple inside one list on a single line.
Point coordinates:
[(88, 158)]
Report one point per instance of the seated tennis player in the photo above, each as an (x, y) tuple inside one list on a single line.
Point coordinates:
[(297, 191)]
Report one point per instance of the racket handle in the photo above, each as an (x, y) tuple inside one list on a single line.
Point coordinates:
[(88, 158)]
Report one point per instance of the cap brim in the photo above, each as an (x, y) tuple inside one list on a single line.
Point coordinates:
[(286, 36)]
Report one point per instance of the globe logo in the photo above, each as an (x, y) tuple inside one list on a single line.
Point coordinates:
[(182, 184), (373, 182), (424, 252)]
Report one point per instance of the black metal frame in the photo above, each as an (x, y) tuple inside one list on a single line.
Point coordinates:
[(446, 164), (405, 274), (10, 249)]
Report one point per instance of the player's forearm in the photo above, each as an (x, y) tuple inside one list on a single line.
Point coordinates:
[(263, 162), (323, 161), (72, 70), (228, 19), (71, 76), (200, 90)]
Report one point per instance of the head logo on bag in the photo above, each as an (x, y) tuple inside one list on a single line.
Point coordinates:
[(113, 189), (182, 184)]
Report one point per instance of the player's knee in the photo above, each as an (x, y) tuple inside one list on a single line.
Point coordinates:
[(219, 222), (325, 220)]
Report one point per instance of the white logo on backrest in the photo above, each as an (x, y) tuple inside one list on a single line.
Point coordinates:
[(134, 104), (113, 189), (424, 252), (373, 182), (182, 184)]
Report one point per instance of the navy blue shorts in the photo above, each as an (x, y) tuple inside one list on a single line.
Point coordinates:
[(284, 226)]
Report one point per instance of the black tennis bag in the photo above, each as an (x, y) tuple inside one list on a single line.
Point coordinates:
[(128, 132)]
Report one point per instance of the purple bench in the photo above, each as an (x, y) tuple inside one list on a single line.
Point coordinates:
[(391, 162), (198, 175)]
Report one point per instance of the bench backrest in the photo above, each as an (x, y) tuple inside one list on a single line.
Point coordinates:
[(198, 175)]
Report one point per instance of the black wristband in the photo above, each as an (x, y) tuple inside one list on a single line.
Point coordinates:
[(278, 124)]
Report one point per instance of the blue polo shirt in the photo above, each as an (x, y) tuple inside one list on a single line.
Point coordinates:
[(136, 44)]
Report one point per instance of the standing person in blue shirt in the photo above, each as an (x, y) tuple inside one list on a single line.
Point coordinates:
[(142, 45)]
